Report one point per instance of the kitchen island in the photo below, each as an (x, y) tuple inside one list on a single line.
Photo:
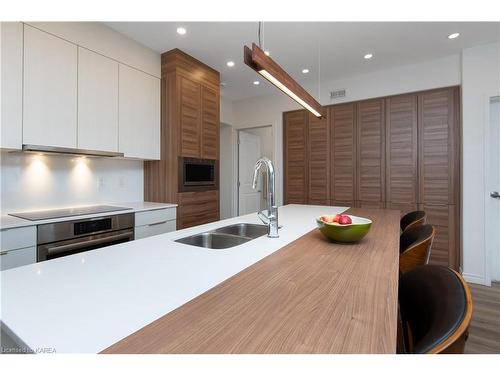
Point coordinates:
[(158, 296)]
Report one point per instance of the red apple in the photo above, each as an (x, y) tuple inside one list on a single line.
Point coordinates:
[(344, 219)]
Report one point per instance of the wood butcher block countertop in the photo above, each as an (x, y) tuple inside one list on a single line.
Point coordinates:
[(311, 296)]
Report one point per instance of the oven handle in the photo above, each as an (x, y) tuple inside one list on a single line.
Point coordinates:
[(97, 241)]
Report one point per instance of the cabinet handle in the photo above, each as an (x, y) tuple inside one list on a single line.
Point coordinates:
[(153, 224)]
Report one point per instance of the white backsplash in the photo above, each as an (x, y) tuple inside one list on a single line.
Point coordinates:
[(33, 181)]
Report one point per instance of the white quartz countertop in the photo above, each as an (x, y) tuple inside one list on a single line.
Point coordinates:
[(86, 302), (9, 222)]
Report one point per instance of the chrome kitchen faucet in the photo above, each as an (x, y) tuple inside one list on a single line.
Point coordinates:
[(271, 219)]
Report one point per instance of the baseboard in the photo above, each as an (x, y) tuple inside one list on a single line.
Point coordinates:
[(476, 279)]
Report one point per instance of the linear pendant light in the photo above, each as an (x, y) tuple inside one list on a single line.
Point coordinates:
[(256, 59)]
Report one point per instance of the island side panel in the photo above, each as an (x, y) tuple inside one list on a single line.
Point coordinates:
[(311, 296)]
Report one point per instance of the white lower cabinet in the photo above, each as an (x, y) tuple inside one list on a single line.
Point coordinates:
[(151, 223), (17, 258), (18, 247)]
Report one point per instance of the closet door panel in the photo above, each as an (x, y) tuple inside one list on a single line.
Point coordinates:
[(401, 149), (371, 151), (318, 160), (342, 119), (295, 157)]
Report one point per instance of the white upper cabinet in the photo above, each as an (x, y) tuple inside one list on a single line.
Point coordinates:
[(139, 114), (97, 102), (50, 90), (11, 85)]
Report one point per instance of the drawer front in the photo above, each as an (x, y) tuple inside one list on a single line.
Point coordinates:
[(154, 229), (154, 216), (17, 238), (196, 208), (17, 258)]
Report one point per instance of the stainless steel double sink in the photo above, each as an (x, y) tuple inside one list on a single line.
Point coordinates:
[(226, 237)]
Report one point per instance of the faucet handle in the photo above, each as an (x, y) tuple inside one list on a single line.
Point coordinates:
[(263, 217)]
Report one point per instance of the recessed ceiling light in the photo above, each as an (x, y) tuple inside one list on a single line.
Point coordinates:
[(230, 64), (305, 71), (256, 83), (453, 36), (181, 30), (267, 53), (368, 56)]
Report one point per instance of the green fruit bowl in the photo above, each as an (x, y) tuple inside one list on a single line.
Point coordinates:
[(346, 233)]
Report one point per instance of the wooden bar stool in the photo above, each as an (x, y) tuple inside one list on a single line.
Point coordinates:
[(435, 310), (412, 219), (415, 247)]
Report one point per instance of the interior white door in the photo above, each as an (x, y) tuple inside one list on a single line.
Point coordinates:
[(492, 224), (248, 153)]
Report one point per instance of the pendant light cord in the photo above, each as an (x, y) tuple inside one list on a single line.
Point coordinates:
[(259, 35), (319, 70)]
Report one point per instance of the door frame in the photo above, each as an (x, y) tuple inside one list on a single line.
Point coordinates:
[(488, 256), (275, 160)]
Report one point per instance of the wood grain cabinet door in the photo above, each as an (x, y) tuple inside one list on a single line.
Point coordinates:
[(318, 161), (371, 151), (401, 149), (295, 156), (444, 250), (190, 117), (209, 123), (342, 123), (196, 208), (438, 158)]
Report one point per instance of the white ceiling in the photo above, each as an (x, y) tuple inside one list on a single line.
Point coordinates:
[(298, 45)]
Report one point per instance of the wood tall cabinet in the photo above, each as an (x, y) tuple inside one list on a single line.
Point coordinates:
[(190, 97), (439, 168), (318, 162), (295, 157), (342, 119), (370, 182), (401, 171), (399, 152)]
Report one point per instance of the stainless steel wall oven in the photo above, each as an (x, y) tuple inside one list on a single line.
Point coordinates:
[(59, 239)]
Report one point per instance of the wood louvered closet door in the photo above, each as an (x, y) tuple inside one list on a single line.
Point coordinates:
[(295, 157), (401, 153), (371, 153), (439, 169), (318, 161), (342, 120)]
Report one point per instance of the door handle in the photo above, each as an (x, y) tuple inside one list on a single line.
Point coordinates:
[(495, 194)]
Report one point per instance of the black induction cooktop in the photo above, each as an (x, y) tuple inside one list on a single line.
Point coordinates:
[(67, 212)]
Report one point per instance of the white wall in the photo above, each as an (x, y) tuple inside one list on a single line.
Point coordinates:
[(32, 181), (268, 110), (480, 79)]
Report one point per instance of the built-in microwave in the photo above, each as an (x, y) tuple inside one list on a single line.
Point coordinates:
[(197, 174)]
